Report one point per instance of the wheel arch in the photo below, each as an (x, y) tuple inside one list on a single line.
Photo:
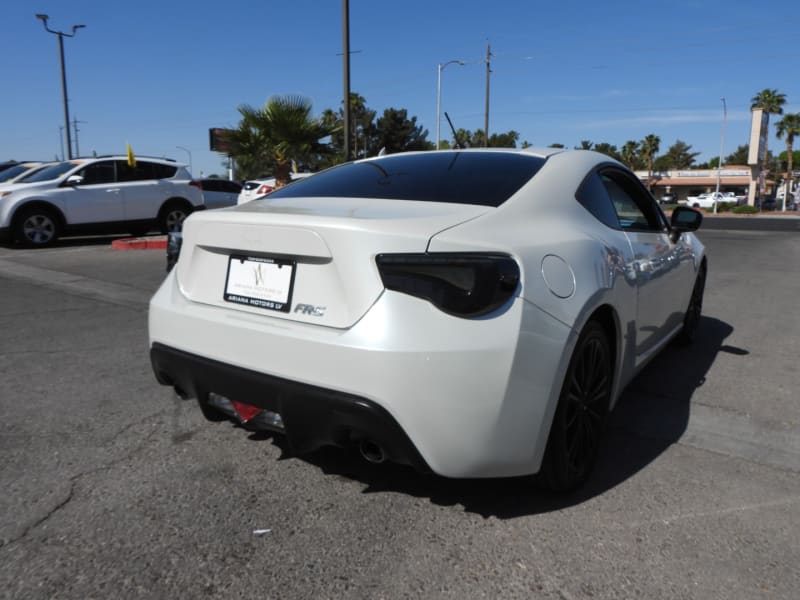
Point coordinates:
[(174, 201), (38, 204), (608, 318)]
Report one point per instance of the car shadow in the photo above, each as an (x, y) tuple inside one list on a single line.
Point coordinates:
[(67, 242), (651, 415)]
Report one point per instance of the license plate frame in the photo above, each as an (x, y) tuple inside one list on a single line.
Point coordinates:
[(262, 282)]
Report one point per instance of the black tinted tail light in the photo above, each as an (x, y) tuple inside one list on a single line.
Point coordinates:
[(460, 284)]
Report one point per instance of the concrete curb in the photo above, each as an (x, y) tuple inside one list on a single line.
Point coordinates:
[(140, 243)]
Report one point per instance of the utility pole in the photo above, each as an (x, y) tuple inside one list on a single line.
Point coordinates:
[(486, 110), (346, 66), (75, 129), (61, 35)]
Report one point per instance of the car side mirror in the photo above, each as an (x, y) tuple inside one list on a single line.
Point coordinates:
[(684, 219), (74, 180)]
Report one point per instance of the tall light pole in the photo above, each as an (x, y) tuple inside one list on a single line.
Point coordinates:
[(61, 34), (721, 144), (439, 97), (190, 156)]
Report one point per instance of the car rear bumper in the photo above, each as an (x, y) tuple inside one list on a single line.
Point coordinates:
[(311, 416), (464, 398)]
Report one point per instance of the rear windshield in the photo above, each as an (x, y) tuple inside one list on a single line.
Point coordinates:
[(485, 178)]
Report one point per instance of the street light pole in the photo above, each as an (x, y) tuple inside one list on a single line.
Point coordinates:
[(721, 144), (61, 34), (439, 97), (190, 156)]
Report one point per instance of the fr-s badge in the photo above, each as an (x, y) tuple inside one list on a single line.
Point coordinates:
[(310, 309)]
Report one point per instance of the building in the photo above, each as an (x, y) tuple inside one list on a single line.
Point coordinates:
[(691, 182)]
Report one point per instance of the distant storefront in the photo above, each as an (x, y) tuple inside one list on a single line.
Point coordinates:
[(691, 182)]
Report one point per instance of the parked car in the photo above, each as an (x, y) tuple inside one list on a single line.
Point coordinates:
[(218, 193), (256, 189), (668, 198), (708, 200), (97, 195), (465, 312), (13, 173)]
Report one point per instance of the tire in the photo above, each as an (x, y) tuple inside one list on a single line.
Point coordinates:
[(36, 227), (172, 215), (691, 320), (579, 421)]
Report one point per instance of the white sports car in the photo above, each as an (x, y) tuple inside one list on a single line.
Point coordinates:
[(474, 313)]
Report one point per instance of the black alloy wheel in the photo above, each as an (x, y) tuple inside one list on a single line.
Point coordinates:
[(574, 440)]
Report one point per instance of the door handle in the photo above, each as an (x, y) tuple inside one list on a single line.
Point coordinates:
[(114, 190)]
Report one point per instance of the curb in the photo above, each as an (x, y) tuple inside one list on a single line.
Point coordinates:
[(140, 243)]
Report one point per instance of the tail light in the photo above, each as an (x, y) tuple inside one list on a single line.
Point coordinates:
[(264, 189), (197, 184), (460, 284)]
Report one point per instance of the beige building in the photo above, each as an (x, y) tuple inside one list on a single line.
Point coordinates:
[(691, 182)]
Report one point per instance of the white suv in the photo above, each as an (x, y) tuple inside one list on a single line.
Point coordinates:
[(98, 195)]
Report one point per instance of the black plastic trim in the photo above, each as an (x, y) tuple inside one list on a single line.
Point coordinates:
[(313, 416)]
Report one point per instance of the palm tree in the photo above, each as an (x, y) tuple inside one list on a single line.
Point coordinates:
[(789, 126), (629, 153), (649, 148), (278, 133), (771, 102)]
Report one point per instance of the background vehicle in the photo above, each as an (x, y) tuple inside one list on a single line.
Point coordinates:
[(708, 200), (474, 313), (256, 189), (668, 198), (97, 195), (218, 193), (11, 174)]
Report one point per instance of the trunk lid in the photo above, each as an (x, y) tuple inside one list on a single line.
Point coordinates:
[(317, 253)]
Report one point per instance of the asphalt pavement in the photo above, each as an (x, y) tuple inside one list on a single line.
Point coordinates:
[(114, 487)]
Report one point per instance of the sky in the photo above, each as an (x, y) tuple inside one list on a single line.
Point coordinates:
[(158, 75)]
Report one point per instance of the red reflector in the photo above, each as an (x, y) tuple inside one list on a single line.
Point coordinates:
[(245, 411)]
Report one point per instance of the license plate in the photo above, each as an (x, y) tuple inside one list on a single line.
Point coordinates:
[(262, 282)]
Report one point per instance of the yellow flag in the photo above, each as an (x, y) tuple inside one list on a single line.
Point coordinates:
[(131, 157)]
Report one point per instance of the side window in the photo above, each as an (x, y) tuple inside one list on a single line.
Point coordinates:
[(635, 209), (99, 172), (593, 197), (143, 171), (158, 171)]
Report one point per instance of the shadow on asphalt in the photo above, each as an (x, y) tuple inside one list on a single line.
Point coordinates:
[(651, 415), (72, 242)]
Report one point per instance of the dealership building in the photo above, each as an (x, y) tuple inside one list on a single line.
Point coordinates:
[(746, 181), (691, 182)]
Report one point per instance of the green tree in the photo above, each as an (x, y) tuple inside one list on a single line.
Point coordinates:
[(679, 156), (630, 154), (738, 156), (648, 150), (504, 140), (788, 126), (608, 150), (771, 102), (271, 137), (585, 145), (395, 132)]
